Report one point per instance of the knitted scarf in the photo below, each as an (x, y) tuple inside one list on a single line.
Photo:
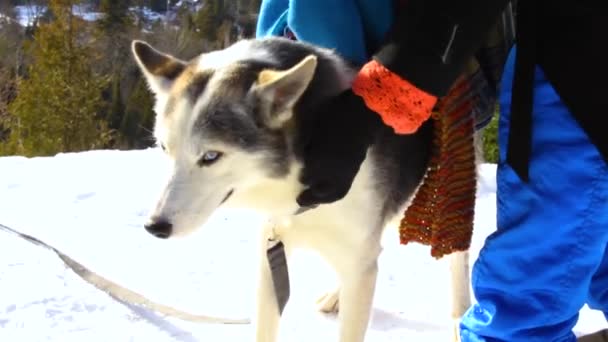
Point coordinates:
[(441, 214)]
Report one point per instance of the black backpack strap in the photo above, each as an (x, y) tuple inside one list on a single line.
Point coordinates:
[(519, 146)]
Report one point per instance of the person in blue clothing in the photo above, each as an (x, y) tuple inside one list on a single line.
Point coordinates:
[(548, 256)]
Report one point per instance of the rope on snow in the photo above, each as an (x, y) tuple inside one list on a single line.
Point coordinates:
[(123, 294)]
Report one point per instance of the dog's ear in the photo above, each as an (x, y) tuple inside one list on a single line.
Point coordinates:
[(159, 68), (279, 90)]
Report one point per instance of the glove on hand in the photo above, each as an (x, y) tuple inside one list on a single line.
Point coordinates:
[(334, 148)]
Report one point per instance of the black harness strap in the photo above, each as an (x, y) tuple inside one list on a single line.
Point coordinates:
[(519, 146), (279, 271)]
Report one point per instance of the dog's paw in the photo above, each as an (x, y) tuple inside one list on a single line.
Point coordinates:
[(329, 302)]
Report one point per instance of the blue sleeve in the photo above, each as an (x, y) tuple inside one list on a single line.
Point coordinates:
[(272, 18), (333, 24)]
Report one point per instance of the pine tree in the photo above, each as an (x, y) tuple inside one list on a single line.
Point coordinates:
[(116, 108), (113, 40), (158, 5), (254, 6), (11, 37), (207, 19), (249, 6), (57, 104), (7, 94), (115, 15), (138, 120)]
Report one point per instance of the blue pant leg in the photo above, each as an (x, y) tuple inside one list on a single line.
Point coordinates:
[(533, 274), (598, 290)]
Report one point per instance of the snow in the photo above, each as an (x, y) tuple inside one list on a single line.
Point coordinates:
[(147, 13), (90, 206), (26, 15), (5, 18)]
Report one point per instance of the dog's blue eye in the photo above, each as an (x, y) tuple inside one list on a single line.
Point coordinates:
[(209, 158)]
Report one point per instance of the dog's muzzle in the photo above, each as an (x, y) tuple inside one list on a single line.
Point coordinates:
[(162, 229)]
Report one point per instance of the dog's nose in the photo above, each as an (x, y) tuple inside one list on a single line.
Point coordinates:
[(160, 228)]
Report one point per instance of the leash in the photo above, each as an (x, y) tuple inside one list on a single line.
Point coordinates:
[(122, 294), (277, 260), (275, 253)]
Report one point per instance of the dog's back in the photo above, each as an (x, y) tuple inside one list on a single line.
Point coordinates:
[(398, 162)]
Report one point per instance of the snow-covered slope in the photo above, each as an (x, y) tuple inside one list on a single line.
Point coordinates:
[(91, 207)]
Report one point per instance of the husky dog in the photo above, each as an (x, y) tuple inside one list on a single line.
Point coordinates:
[(230, 120)]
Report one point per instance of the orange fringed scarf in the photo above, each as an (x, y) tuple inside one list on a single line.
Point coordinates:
[(442, 211)]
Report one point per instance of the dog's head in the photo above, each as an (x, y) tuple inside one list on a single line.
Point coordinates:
[(224, 120)]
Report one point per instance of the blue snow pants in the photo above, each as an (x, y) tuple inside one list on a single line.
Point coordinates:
[(548, 256)]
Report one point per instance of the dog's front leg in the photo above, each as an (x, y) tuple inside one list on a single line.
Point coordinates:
[(461, 295), (356, 299), (267, 314)]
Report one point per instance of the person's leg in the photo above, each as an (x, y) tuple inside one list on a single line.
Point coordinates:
[(533, 274)]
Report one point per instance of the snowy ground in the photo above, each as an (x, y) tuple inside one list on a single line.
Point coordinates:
[(26, 15), (91, 207)]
